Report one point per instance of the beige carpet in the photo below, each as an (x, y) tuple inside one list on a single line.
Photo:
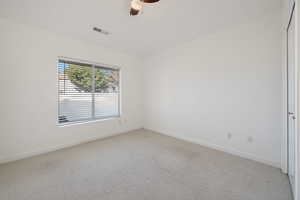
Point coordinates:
[(141, 165)]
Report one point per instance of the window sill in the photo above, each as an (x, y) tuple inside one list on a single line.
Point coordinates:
[(88, 121)]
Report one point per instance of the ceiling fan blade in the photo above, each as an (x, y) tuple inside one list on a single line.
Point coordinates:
[(150, 1), (134, 12)]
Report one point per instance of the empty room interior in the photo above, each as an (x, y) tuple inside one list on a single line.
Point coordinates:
[(149, 100)]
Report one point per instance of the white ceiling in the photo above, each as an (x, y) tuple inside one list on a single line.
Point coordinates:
[(160, 26)]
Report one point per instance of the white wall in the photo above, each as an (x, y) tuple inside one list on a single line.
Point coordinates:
[(229, 81), (28, 85)]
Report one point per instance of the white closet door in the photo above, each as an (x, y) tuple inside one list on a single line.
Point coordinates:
[(291, 100)]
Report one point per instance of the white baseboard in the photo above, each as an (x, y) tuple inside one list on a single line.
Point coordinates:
[(58, 147), (197, 141), (218, 147)]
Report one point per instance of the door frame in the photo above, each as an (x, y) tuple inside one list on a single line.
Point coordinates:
[(292, 15), (294, 11)]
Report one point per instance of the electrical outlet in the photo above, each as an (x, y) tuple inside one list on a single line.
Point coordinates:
[(250, 139), (229, 136)]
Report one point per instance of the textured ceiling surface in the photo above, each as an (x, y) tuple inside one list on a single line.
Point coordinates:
[(160, 25)]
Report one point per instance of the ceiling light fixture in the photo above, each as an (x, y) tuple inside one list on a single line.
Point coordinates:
[(150, 1), (137, 5)]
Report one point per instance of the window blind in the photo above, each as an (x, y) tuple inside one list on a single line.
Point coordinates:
[(87, 92)]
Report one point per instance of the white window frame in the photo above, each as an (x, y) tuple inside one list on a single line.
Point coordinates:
[(93, 65)]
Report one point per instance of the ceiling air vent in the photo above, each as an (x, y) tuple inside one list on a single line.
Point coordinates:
[(99, 30)]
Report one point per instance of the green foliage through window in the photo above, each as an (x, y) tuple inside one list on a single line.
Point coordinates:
[(106, 80)]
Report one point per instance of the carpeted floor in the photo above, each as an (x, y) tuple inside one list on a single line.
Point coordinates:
[(141, 165)]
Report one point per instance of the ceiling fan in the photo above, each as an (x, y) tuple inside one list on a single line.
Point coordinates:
[(137, 5)]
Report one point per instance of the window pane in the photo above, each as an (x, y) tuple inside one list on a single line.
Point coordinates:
[(75, 92), (106, 92), (87, 92)]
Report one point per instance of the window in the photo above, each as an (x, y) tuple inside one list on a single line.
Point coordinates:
[(87, 91)]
